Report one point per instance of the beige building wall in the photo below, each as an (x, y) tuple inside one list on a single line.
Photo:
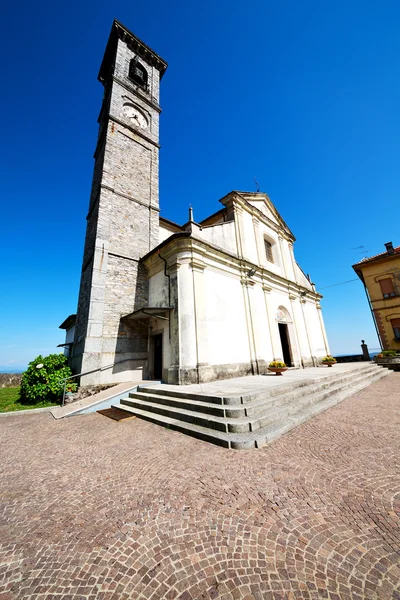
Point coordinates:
[(386, 310)]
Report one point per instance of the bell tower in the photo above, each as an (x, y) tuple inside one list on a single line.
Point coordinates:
[(123, 216)]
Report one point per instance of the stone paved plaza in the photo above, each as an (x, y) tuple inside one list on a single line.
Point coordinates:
[(99, 509)]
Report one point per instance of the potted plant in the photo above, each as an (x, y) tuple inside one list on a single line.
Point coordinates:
[(329, 361), (390, 359), (277, 366)]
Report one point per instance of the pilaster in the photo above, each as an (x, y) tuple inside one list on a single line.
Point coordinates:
[(276, 348)]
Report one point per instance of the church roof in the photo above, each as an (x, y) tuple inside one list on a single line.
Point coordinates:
[(68, 323), (170, 224)]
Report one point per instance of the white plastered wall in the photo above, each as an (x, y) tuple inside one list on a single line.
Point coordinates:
[(228, 340), (221, 235), (315, 332)]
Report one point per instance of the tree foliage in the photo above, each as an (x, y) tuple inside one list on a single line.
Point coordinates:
[(44, 379)]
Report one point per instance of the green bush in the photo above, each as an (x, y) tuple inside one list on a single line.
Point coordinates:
[(389, 352), (43, 380)]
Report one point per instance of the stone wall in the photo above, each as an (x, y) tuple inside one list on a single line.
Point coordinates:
[(123, 226), (350, 358), (10, 380)]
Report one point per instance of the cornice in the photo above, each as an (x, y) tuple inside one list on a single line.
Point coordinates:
[(119, 32), (140, 47), (206, 252), (103, 186), (257, 214), (133, 130), (133, 90)]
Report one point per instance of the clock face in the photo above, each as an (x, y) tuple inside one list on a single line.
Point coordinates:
[(135, 116)]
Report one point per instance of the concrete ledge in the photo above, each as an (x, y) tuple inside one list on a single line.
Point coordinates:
[(28, 411), (59, 412)]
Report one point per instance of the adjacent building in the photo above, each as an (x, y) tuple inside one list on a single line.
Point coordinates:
[(183, 303), (380, 275)]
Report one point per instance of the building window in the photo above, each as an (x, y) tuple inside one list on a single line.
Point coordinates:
[(268, 251), (138, 73), (396, 328), (387, 288)]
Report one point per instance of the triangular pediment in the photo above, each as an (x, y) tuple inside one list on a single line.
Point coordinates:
[(264, 206), (263, 202)]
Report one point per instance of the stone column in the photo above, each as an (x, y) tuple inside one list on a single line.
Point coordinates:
[(280, 238), (257, 238), (250, 330), (292, 299), (364, 349), (271, 322), (200, 318), (174, 368), (293, 261), (238, 211), (321, 322), (302, 303)]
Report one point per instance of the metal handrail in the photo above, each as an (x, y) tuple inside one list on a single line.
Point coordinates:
[(65, 379)]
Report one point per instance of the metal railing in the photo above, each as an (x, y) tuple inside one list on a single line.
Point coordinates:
[(65, 379)]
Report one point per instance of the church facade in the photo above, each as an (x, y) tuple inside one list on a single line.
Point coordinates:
[(185, 304)]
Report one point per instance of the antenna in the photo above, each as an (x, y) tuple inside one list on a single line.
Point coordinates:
[(363, 250), (257, 184)]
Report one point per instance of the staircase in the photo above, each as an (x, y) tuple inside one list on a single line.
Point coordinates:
[(250, 420)]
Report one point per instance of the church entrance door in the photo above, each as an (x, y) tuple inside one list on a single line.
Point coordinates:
[(157, 356), (285, 342)]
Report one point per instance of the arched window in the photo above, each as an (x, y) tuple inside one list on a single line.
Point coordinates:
[(138, 73)]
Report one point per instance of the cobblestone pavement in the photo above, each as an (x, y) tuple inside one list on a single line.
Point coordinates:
[(93, 508)]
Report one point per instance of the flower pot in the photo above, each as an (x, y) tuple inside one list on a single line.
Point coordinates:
[(277, 370), (329, 364)]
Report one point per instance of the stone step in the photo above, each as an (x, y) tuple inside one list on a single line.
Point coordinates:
[(282, 421), (163, 391), (239, 441), (274, 391), (240, 424), (247, 409)]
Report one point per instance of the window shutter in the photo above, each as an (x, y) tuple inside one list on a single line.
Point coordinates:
[(395, 323), (386, 286), (268, 251)]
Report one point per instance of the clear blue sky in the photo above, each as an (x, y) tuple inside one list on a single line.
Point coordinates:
[(304, 96)]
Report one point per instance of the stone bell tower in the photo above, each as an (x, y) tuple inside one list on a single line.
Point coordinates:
[(123, 219)]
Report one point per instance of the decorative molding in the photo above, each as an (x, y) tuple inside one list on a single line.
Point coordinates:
[(134, 90), (247, 282), (197, 265), (134, 130), (118, 255), (110, 189), (392, 316), (215, 258)]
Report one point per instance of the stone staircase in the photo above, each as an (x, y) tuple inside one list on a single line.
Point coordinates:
[(248, 420)]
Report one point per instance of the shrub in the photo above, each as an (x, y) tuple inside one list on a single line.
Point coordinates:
[(43, 380), (389, 352)]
